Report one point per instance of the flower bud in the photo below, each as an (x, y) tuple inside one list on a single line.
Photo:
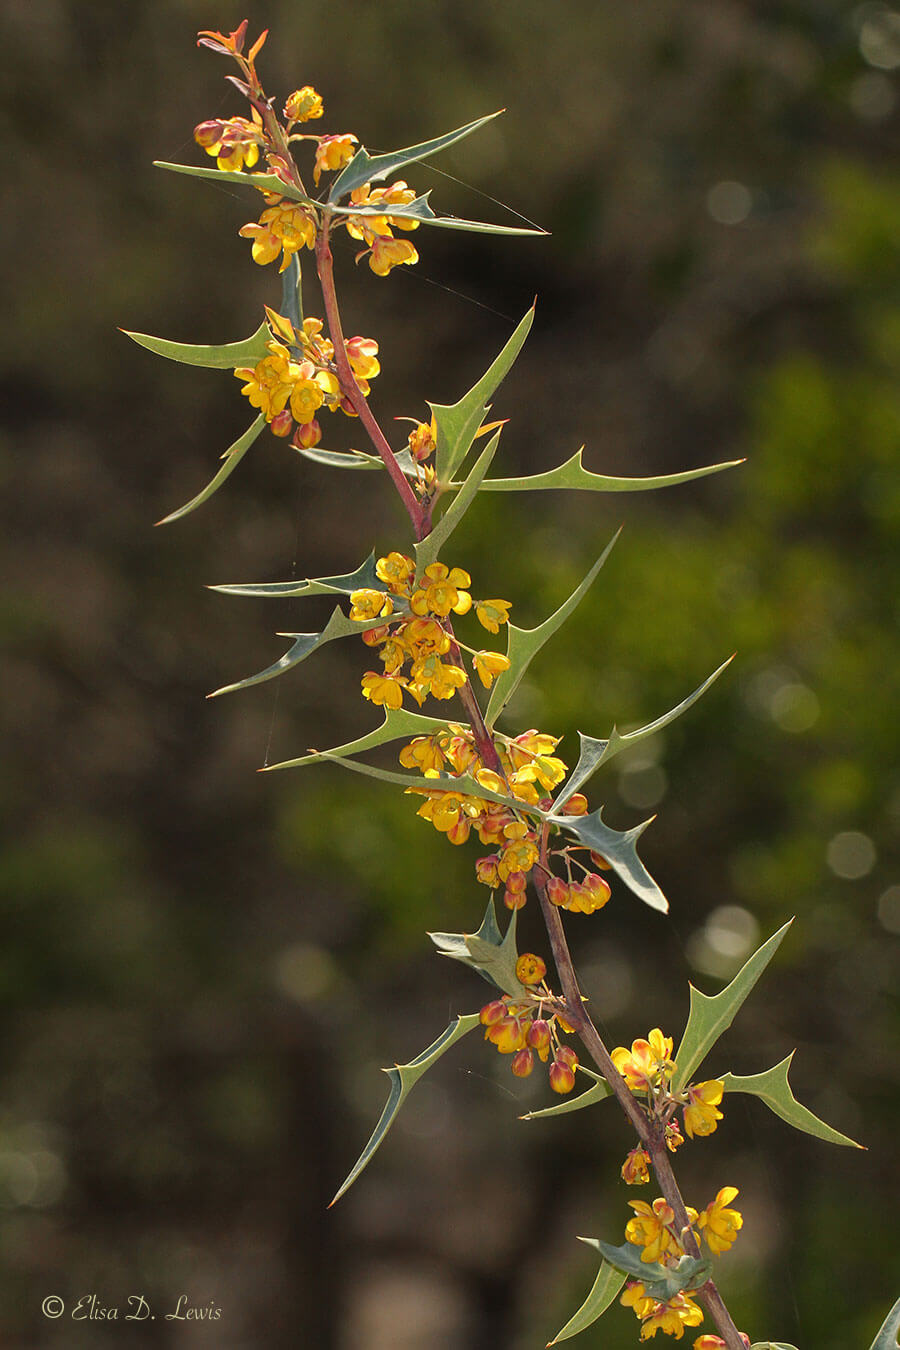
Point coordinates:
[(597, 889), (514, 899), (599, 861), (635, 1167), (486, 870), (307, 435), (282, 423), (562, 1079), (577, 805), (507, 1035), (516, 881), (209, 133), (566, 1055), (538, 1036), (579, 900), (530, 969), (522, 1063), (491, 1013), (557, 892)]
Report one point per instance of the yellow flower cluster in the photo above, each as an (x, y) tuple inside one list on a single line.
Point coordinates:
[(376, 232), (652, 1229), (415, 633), (283, 229), (519, 1028), (234, 142), (288, 390), (647, 1069)]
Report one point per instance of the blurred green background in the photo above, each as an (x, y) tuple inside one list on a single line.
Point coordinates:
[(202, 970)]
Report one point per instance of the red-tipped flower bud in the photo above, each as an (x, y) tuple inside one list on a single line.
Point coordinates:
[(491, 1013), (516, 881), (562, 1079), (486, 870), (577, 805), (209, 133), (307, 435), (566, 1055), (508, 1036), (557, 891), (538, 1036), (514, 899), (281, 423), (599, 861), (522, 1063)]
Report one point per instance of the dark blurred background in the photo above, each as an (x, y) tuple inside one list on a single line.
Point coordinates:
[(203, 969)]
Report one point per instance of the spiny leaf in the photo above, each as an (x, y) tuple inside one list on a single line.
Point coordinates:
[(493, 955), (597, 752), (458, 423), (403, 1079), (781, 1345), (443, 783), (356, 459), (428, 549), (661, 1282), (711, 1015), (420, 209), (523, 644), (226, 357), (603, 1291), (573, 474), (266, 182), (362, 579), (773, 1088), (619, 848), (397, 723), (889, 1333), (366, 168), (597, 1093), (232, 458), (305, 644)]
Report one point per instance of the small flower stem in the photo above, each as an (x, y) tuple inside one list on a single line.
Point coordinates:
[(650, 1133), (352, 391)]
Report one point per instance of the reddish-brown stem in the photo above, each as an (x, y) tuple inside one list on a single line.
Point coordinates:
[(651, 1133), (352, 391)]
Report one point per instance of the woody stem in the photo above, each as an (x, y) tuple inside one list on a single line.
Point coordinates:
[(651, 1134), (351, 390)]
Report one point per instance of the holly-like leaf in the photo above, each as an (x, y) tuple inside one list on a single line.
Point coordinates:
[(773, 1088), (712, 1014), (231, 459), (661, 1282), (603, 1292), (889, 1333), (338, 626), (464, 784), (420, 209), (226, 357), (356, 459), (427, 551), (597, 752), (364, 578), (597, 1093), (403, 1079), (397, 723), (779, 1345), (457, 423), (523, 644), (265, 182), (493, 955), (573, 474), (366, 168), (619, 848)]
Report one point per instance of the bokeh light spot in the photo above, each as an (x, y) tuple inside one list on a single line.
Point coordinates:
[(851, 855)]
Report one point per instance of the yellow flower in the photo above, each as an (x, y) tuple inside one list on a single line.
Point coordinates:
[(436, 677), (700, 1115), (285, 228), (488, 665), (648, 1228), (233, 143), (635, 1168), (387, 253), (672, 1317), (369, 227), (422, 441), (426, 637), (268, 385), (719, 1224), (544, 769), (362, 353), (530, 969), (520, 852), (635, 1297), (393, 653), (643, 1065), (332, 153), (306, 395), (443, 590), (368, 604), (423, 753), (303, 105), (491, 613), (396, 570), (384, 690)]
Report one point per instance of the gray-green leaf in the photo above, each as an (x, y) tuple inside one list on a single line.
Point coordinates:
[(366, 168), (492, 955), (420, 209), (458, 423), (364, 578), (397, 723), (523, 644), (773, 1088), (619, 848), (229, 356), (603, 1291), (427, 551), (403, 1079), (231, 459), (661, 1282), (266, 182), (711, 1015), (597, 752), (305, 644), (597, 1093), (573, 474), (890, 1330)]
